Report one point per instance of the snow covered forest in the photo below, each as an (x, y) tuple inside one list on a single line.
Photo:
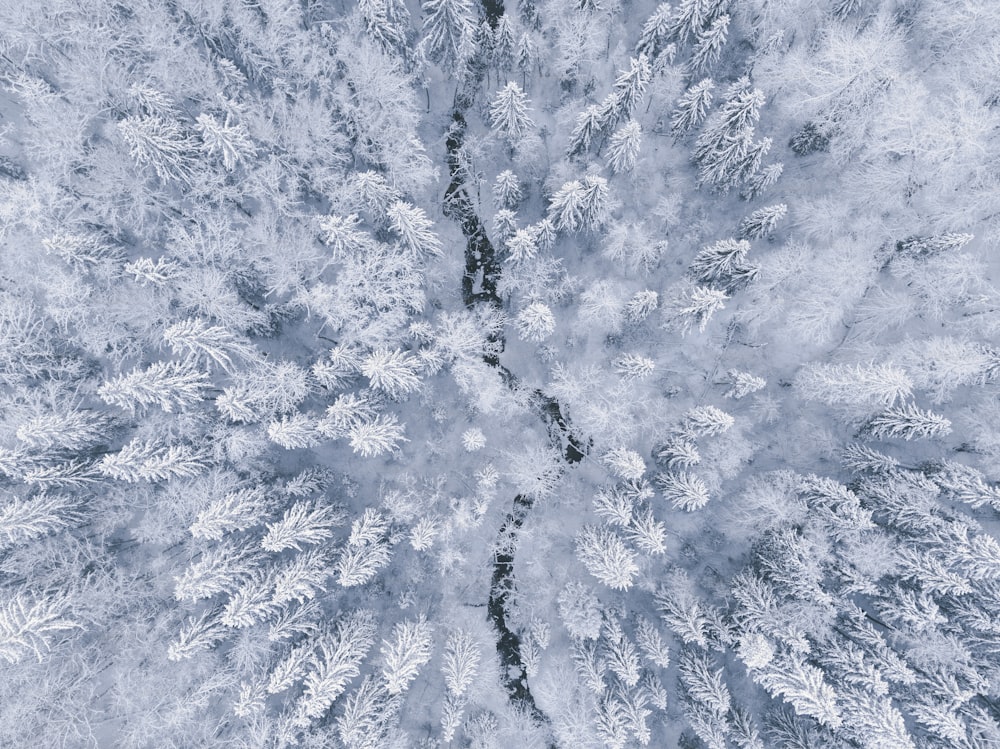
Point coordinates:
[(500, 374)]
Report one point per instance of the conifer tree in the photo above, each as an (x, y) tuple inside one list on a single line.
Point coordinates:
[(580, 611), (606, 557), (405, 654), (415, 229), (339, 658), (742, 384), (460, 662), (195, 339), (872, 384), (250, 603), (630, 87), (509, 112), (647, 533), (380, 435), (299, 579), (522, 246), (724, 264), (803, 686), (694, 15), (641, 305), (535, 322), (708, 46), (685, 491), (932, 245), (907, 422), (693, 306), (507, 190), (160, 144), (221, 569), (23, 520), (686, 616), (589, 125), (623, 148), (236, 511), (655, 31), (725, 152), (392, 372), (231, 142), (29, 623), (762, 222), (624, 463), (170, 385), (302, 523), (503, 44), (197, 634), (147, 461), (449, 27), (634, 367), (290, 670)]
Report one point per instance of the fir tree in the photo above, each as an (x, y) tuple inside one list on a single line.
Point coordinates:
[(708, 47), (907, 422), (589, 125), (693, 306), (507, 190), (460, 662), (392, 372), (197, 634), (623, 148), (624, 463), (449, 27), (684, 491), (932, 245), (302, 523), (339, 657), (503, 44), (221, 569), (29, 623), (380, 435), (23, 520), (580, 611), (606, 557), (405, 654), (236, 511), (509, 112), (742, 384), (692, 16), (803, 686), (536, 322), (655, 31), (641, 305), (197, 340), (148, 461), (872, 384), (160, 144), (647, 533), (724, 264), (169, 385), (634, 367), (231, 142), (414, 228), (630, 87), (725, 152), (761, 223)]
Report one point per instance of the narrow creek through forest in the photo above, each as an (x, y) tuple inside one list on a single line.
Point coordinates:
[(479, 286)]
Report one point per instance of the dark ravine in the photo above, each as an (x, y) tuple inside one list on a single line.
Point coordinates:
[(479, 286)]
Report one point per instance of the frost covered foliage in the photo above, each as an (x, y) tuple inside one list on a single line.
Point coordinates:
[(474, 374)]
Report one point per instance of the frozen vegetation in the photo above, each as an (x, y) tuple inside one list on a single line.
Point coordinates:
[(500, 375)]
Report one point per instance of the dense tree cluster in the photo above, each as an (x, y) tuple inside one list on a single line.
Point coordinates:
[(478, 374)]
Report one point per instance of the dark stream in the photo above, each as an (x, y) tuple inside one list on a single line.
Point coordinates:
[(479, 286)]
